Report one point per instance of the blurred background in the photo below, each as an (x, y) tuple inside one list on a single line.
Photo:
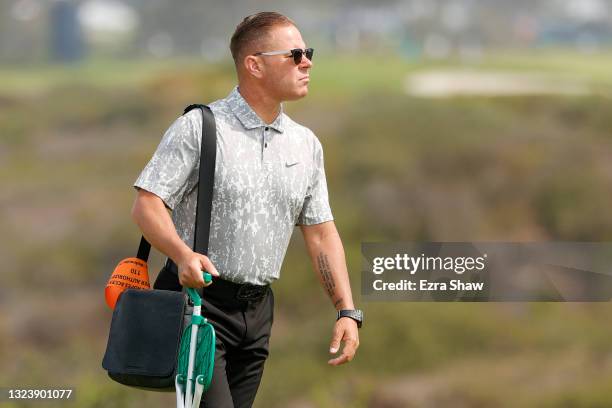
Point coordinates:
[(459, 120)]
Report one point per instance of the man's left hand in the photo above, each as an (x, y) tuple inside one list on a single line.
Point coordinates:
[(345, 330)]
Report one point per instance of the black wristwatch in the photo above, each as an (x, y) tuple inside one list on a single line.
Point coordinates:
[(356, 315)]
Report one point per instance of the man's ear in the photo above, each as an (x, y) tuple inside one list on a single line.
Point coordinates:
[(253, 66)]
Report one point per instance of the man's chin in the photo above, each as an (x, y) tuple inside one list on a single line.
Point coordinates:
[(298, 94)]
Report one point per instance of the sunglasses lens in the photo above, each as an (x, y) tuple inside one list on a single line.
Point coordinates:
[(297, 56), (309, 53)]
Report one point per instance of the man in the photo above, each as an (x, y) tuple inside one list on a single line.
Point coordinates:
[(269, 177)]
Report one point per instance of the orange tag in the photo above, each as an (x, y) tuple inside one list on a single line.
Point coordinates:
[(130, 273)]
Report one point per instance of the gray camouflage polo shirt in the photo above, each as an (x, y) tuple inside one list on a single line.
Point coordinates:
[(268, 178)]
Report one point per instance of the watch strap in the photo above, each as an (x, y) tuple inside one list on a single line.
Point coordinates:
[(355, 314)]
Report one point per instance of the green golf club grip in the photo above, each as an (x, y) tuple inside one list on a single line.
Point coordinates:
[(193, 294), (207, 277)]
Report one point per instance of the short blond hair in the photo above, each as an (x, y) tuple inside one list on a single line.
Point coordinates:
[(253, 30)]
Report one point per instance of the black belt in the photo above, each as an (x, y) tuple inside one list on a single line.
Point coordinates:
[(222, 288), (239, 291)]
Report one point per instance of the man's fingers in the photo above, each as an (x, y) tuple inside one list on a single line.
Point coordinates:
[(339, 360), (198, 278), (349, 349), (208, 266), (335, 343), (191, 277), (352, 343), (344, 358), (193, 274), (348, 352), (190, 281)]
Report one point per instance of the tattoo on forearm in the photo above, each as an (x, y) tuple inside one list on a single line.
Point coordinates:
[(338, 302), (326, 275)]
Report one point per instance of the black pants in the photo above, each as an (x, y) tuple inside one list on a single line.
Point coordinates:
[(243, 333)]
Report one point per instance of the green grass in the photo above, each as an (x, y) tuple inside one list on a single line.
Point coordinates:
[(348, 74), (94, 73)]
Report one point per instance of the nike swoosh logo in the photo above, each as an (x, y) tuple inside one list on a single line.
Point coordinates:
[(289, 164)]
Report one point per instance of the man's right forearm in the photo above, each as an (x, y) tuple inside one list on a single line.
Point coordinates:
[(153, 219)]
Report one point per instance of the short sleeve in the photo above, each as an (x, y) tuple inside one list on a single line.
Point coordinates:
[(316, 209), (176, 159)]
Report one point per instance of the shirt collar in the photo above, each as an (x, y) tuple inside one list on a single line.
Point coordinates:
[(247, 115)]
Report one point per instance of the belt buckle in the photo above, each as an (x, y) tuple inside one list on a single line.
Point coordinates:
[(250, 292)]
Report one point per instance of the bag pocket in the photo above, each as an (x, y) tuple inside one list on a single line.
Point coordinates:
[(144, 338)]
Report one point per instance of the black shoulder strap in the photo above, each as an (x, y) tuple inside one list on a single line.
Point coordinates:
[(208, 155), (206, 182)]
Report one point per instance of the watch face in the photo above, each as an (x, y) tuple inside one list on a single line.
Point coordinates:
[(358, 315)]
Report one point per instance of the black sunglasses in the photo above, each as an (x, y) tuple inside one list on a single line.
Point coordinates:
[(296, 53)]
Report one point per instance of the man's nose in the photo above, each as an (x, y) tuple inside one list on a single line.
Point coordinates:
[(305, 63)]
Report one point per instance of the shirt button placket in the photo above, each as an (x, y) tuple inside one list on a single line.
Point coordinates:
[(266, 129), (266, 154)]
